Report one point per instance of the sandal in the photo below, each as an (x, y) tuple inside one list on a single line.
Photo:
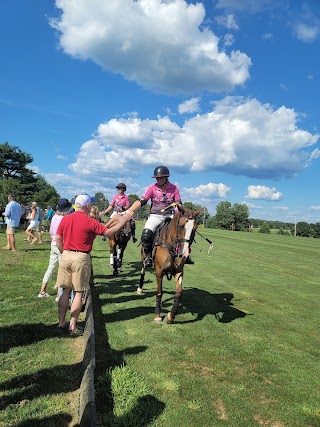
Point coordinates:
[(77, 332), (64, 328)]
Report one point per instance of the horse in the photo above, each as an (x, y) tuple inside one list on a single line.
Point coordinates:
[(118, 243), (170, 251)]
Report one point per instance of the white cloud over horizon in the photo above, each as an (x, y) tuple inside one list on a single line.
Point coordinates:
[(159, 45), (239, 136), (261, 192)]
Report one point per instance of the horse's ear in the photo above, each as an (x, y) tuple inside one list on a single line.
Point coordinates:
[(197, 212), (180, 209)]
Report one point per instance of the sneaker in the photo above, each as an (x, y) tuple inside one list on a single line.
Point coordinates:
[(43, 295), (148, 262), (57, 299), (134, 239)]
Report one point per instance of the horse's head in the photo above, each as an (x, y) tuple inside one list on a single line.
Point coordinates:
[(186, 225)]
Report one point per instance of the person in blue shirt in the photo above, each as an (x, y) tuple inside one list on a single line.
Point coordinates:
[(12, 213)]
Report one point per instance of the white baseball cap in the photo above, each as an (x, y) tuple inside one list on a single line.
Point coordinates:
[(84, 200)]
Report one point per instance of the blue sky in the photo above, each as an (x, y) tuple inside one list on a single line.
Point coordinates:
[(225, 93)]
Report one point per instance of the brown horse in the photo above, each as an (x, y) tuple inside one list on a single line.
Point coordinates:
[(118, 243), (170, 252)]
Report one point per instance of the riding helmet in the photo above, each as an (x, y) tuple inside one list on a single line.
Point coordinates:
[(122, 185), (161, 171)]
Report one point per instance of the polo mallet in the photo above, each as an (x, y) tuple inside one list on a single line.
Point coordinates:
[(168, 207), (209, 241)]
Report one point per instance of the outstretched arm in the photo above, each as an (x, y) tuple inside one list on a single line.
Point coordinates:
[(125, 218)]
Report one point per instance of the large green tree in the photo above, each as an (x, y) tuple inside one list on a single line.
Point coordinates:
[(241, 216), (13, 161), (101, 201), (17, 178), (224, 215)]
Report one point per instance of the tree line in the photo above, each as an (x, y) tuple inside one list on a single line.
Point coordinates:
[(17, 177)]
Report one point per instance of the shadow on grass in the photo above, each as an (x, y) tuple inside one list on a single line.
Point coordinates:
[(147, 407), (25, 334), (196, 301), (200, 303), (43, 382), (60, 420)]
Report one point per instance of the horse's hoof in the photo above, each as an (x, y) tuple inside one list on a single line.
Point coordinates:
[(158, 319), (139, 291), (168, 319), (115, 272)]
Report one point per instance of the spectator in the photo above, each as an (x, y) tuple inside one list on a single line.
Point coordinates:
[(50, 212), (34, 221), (63, 208), (12, 213), (74, 238), (48, 217), (39, 226)]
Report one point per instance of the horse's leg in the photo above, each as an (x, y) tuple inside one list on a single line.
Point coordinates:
[(111, 245), (142, 274), (177, 298), (158, 297), (115, 260)]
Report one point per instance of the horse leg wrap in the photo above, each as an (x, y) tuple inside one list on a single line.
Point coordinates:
[(158, 304), (115, 262), (111, 259), (175, 306)]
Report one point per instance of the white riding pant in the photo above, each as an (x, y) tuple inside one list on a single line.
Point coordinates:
[(155, 220)]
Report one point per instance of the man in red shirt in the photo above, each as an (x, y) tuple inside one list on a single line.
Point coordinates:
[(75, 236)]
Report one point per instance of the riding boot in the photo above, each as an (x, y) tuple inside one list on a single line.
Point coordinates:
[(146, 241)]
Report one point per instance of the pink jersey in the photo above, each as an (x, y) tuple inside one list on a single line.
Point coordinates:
[(120, 201), (55, 222), (162, 199)]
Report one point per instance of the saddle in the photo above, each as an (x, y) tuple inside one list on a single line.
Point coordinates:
[(157, 232)]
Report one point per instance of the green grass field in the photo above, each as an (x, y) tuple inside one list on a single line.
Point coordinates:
[(245, 347), (244, 350)]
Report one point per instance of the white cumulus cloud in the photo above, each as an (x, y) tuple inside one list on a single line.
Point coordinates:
[(158, 44), (263, 193), (208, 190), (189, 106), (238, 136)]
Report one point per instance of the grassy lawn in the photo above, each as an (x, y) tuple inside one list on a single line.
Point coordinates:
[(40, 369), (243, 352)]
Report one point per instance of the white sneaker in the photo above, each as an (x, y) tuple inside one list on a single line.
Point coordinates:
[(45, 295)]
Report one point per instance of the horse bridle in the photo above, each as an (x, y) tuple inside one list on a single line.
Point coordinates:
[(174, 250)]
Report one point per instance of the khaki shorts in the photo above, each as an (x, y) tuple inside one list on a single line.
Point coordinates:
[(10, 230), (74, 271), (39, 227)]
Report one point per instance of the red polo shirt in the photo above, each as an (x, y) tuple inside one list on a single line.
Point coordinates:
[(78, 231)]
